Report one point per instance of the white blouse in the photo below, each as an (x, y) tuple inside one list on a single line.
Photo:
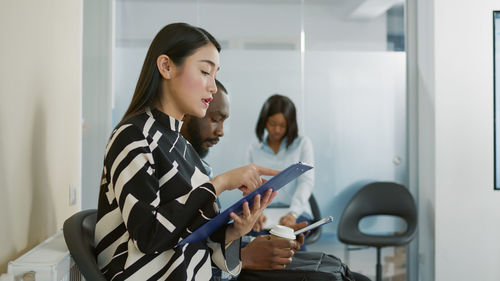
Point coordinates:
[(295, 194)]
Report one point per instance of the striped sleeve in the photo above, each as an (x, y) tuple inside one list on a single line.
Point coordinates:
[(154, 225), (225, 257)]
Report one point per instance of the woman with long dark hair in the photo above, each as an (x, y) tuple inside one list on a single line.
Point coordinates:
[(154, 188), (280, 146)]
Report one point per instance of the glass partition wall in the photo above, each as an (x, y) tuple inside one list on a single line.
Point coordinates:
[(342, 62)]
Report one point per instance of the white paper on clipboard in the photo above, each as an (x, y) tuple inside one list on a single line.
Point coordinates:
[(273, 216)]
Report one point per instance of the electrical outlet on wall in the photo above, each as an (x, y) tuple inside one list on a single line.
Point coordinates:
[(72, 194)]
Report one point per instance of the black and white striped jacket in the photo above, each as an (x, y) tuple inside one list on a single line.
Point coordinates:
[(154, 192)]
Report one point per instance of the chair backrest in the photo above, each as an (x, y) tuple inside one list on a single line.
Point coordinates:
[(79, 235), (315, 233), (378, 198)]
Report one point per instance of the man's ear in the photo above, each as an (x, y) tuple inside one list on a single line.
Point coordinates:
[(166, 66)]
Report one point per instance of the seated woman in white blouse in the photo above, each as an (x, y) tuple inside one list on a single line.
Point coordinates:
[(280, 146)]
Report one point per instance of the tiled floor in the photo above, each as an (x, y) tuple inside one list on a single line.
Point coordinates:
[(364, 260)]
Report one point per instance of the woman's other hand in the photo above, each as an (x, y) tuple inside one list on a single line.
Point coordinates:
[(288, 220), (243, 223)]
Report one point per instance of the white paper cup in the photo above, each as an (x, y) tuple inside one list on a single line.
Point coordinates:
[(282, 232)]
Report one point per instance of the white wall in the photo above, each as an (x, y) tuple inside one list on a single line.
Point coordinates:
[(353, 110), (426, 140), (353, 105), (96, 92), (240, 22), (40, 126), (459, 211)]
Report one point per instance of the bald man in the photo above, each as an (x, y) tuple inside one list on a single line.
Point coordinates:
[(203, 133), (262, 253)]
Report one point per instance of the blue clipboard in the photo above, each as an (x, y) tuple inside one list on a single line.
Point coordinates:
[(275, 183)]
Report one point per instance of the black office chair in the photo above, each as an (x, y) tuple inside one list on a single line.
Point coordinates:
[(378, 198), (315, 233), (79, 235)]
